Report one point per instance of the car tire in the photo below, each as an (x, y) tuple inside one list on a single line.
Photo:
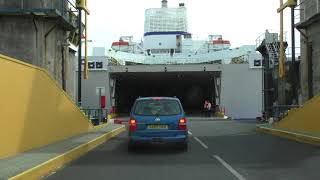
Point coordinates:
[(184, 146), (132, 147)]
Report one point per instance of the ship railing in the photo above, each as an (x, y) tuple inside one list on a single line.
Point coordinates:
[(177, 61)]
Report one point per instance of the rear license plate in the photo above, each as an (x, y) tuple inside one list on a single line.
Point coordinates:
[(157, 126)]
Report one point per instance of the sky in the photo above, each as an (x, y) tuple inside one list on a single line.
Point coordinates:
[(241, 22)]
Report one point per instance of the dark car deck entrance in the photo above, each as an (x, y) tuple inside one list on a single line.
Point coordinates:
[(192, 88)]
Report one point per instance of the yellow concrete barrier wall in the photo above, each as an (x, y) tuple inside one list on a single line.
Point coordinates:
[(34, 110), (305, 119)]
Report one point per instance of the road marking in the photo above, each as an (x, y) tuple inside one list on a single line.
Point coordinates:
[(202, 144), (190, 133), (226, 165)]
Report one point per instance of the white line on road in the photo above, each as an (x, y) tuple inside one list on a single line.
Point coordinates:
[(190, 133), (226, 165), (202, 144)]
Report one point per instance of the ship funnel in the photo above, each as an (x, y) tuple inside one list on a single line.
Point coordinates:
[(164, 3)]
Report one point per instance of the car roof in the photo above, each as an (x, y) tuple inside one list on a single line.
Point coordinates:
[(151, 98)]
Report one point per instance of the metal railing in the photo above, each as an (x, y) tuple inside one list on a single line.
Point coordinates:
[(308, 8), (289, 52), (63, 8), (263, 36), (97, 116), (68, 10), (281, 111)]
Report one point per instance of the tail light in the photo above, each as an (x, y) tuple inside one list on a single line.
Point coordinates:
[(132, 125), (183, 124)]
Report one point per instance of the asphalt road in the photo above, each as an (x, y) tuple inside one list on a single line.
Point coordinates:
[(217, 150)]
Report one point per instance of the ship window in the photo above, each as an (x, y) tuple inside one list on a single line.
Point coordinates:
[(148, 52), (160, 51), (187, 36)]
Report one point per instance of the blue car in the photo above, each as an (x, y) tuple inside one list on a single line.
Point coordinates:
[(158, 120)]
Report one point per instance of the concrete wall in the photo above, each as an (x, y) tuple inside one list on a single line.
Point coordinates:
[(70, 74), (241, 91), (314, 37), (34, 111), (304, 94), (313, 33), (37, 41), (31, 4), (22, 40)]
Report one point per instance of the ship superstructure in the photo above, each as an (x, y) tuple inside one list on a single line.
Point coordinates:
[(167, 40), (169, 61)]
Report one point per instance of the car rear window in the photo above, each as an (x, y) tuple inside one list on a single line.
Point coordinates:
[(161, 107)]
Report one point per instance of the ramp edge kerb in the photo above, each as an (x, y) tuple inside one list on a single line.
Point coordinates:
[(47, 74), (55, 163), (290, 135)]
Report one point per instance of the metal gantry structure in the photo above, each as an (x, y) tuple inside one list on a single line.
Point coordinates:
[(273, 50), (289, 4), (82, 6)]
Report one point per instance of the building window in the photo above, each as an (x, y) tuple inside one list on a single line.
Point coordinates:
[(99, 65), (257, 62), (91, 65)]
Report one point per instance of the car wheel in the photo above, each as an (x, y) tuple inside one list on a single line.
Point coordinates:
[(131, 147), (183, 146)]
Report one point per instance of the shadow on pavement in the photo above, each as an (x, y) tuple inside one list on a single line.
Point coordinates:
[(115, 152)]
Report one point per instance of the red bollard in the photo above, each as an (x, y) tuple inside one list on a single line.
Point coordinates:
[(117, 121)]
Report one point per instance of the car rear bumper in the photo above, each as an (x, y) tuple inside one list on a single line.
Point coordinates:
[(143, 139)]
